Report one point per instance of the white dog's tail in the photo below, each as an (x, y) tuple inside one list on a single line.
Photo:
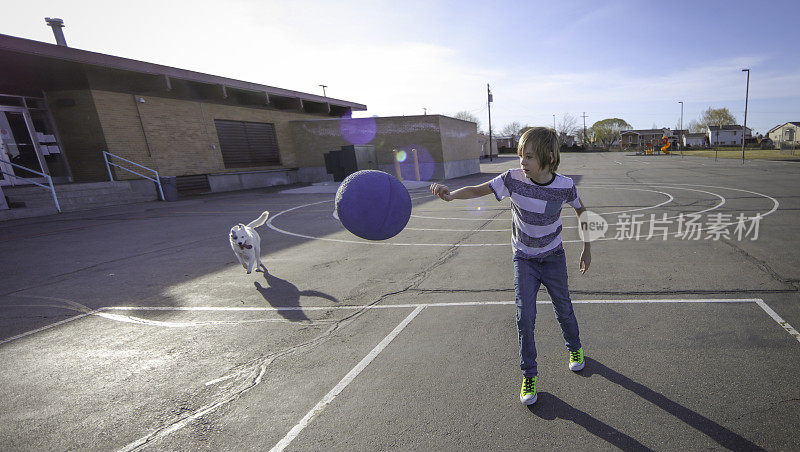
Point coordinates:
[(259, 221)]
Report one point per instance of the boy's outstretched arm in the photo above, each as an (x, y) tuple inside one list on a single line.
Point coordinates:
[(586, 254), (473, 191)]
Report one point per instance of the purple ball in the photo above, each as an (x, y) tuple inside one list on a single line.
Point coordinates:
[(373, 205)]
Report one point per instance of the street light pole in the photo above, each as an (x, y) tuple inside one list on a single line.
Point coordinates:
[(489, 105), (746, 95), (680, 143), (323, 90), (554, 122)]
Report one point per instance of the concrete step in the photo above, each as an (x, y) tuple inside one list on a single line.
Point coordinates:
[(71, 197), (26, 212), (66, 188)]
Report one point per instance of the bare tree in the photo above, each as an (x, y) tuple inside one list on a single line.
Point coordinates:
[(467, 116), (584, 139), (511, 128), (568, 124), (695, 126)]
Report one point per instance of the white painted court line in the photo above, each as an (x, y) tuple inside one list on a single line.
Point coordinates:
[(270, 224), (101, 312), (414, 305), (47, 327), (294, 432), (784, 324), (344, 382)]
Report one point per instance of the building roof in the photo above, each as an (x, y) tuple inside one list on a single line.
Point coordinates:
[(695, 135), (52, 60), (644, 131), (727, 127), (794, 123)]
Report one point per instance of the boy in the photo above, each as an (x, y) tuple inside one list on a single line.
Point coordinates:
[(537, 193)]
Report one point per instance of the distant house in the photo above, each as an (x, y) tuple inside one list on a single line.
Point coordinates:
[(566, 140), (695, 140), (726, 135), (483, 142), (506, 144), (785, 135), (637, 140)]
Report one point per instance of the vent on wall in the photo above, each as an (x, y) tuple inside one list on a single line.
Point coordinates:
[(196, 184)]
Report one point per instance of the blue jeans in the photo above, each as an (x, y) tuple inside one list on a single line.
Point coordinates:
[(529, 274)]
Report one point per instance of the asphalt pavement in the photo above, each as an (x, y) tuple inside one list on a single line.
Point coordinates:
[(134, 327)]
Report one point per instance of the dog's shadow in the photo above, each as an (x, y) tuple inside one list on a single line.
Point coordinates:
[(283, 294)]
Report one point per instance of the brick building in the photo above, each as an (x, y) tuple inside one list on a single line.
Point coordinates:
[(60, 107)]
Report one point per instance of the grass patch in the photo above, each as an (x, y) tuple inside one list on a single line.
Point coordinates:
[(749, 154)]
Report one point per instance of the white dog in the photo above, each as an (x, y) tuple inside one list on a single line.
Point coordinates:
[(246, 243)]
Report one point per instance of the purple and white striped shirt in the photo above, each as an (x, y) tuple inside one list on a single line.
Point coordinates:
[(536, 210)]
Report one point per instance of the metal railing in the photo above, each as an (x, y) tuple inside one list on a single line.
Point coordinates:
[(46, 176), (109, 164)]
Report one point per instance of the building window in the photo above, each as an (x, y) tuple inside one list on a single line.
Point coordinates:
[(245, 144)]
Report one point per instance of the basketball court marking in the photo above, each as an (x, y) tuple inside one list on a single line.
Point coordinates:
[(670, 198), (320, 406), (107, 312), (775, 202)]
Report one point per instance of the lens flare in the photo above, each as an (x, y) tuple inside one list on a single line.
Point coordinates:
[(424, 160), (358, 131)]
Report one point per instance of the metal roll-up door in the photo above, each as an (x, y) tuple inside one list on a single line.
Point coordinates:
[(246, 144)]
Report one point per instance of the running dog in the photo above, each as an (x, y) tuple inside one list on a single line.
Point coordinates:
[(246, 244)]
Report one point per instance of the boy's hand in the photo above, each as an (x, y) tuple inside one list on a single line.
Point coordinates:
[(441, 191), (586, 260)]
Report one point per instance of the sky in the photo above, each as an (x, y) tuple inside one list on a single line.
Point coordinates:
[(633, 60)]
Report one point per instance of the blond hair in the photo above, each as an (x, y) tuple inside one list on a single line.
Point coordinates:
[(542, 141)]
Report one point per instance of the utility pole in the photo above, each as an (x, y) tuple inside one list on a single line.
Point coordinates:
[(554, 122), (746, 95), (584, 129), (489, 103), (323, 90), (680, 143)]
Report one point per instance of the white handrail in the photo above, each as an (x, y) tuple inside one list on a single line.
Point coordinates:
[(157, 180), (46, 176)]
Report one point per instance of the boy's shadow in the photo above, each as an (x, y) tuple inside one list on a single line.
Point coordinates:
[(550, 407), (283, 294), (553, 408)]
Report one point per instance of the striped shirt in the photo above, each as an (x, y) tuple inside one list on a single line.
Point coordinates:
[(536, 210)]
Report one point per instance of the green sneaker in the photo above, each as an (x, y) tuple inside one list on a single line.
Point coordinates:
[(576, 360), (527, 394)]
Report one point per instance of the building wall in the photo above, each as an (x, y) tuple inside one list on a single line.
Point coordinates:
[(437, 139), (178, 137), (786, 135), (81, 134), (315, 138), (726, 137), (694, 141), (460, 139)]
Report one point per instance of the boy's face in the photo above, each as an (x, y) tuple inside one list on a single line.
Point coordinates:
[(530, 164)]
